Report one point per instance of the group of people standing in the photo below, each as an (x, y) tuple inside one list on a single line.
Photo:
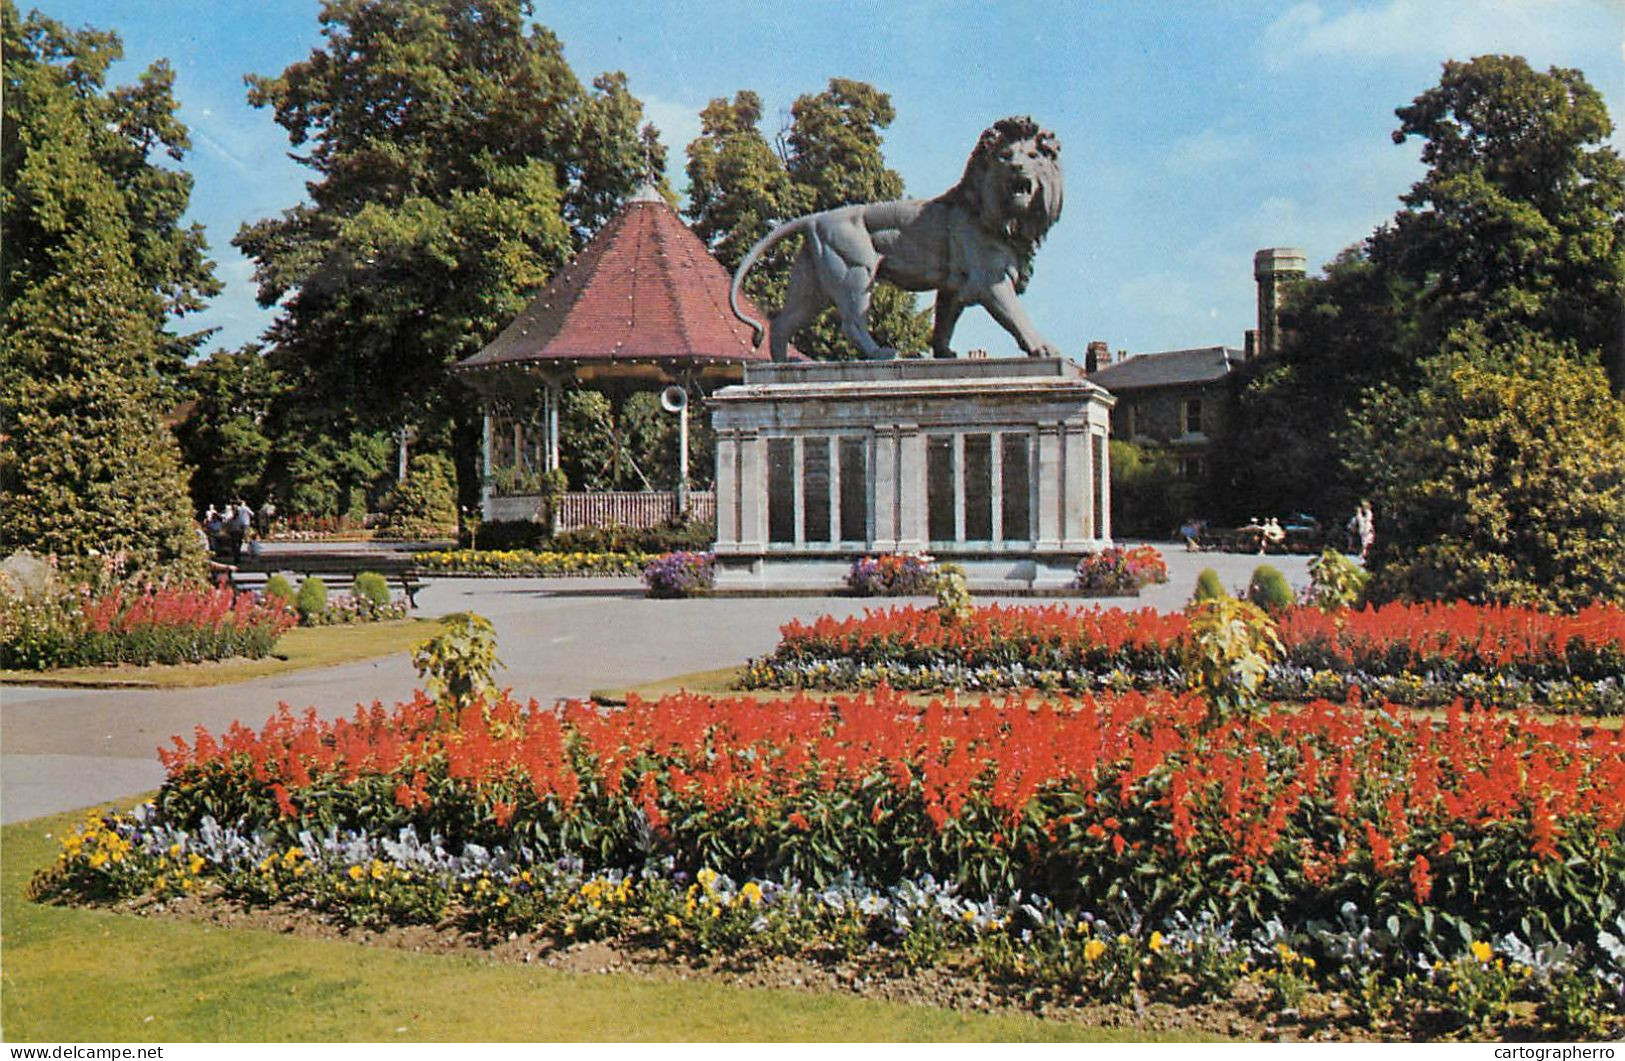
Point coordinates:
[(229, 530)]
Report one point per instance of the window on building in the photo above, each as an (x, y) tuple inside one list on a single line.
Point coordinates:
[(1192, 416), (1191, 468)]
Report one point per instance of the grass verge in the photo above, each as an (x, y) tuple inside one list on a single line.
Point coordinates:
[(301, 648), (82, 975)]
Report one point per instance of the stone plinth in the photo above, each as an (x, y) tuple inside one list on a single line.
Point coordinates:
[(999, 465)]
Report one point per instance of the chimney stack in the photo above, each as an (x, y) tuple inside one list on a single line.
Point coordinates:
[(1096, 356), (1275, 268)]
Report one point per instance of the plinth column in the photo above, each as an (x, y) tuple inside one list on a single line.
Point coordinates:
[(752, 491), (1076, 485), (911, 507), (884, 498), (1049, 458), (727, 490)]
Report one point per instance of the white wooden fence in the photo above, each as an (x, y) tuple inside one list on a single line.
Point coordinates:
[(631, 508)]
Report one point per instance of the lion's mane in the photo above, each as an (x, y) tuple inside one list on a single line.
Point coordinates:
[(982, 192)]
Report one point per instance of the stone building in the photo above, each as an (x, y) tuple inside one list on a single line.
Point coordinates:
[(1184, 400)]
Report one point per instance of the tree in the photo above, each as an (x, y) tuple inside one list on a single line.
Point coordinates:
[(459, 162), (1519, 224), (740, 188), (223, 436), (1518, 227), (56, 77), (88, 464), (1501, 478)]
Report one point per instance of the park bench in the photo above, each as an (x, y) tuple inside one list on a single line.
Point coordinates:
[(338, 572)]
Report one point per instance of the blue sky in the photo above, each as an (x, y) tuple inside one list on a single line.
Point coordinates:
[(1192, 133)]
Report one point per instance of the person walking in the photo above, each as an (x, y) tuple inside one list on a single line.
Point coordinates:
[(239, 517), (1365, 526)]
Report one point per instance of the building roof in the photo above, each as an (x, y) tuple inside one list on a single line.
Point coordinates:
[(645, 288), (1169, 368)]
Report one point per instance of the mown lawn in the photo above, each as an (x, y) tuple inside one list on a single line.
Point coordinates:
[(301, 648), (80, 975)]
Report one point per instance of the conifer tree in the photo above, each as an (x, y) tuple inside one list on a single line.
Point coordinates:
[(88, 465)]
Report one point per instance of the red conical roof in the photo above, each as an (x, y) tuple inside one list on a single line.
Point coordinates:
[(644, 288)]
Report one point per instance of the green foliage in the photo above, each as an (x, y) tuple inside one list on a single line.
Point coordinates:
[(1498, 479), (740, 188), (311, 601), (89, 466), (1269, 589), (1208, 586), (1148, 496), (223, 437), (424, 505), (371, 588), (953, 595), (1228, 652), (458, 161), (1336, 582), (77, 154), (456, 665), (278, 588), (1517, 225), (620, 439)]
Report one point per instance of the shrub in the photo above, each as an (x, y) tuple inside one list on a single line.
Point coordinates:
[(1208, 586), (1115, 571), (680, 574), (1497, 480), (279, 590), (1269, 589), (953, 595), (424, 505), (456, 664), (1228, 652), (372, 590), (1335, 581), (892, 575), (311, 602), (510, 534)]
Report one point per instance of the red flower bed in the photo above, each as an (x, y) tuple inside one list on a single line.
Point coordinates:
[(1460, 638), (1145, 800), (165, 624)]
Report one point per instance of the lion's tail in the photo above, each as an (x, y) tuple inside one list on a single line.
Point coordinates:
[(757, 328)]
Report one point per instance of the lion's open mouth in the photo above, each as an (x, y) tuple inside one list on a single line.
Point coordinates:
[(1020, 185)]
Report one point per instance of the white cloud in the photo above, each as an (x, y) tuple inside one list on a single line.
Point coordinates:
[(1425, 29), (1210, 149), (678, 123)]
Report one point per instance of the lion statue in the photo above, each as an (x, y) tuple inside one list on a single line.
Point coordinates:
[(972, 245)]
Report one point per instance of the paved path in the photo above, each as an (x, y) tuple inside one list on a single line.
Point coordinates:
[(61, 749)]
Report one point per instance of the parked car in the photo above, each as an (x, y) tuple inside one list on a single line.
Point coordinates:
[(1304, 533)]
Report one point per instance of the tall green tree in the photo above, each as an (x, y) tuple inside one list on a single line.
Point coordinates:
[(123, 133), (1519, 224), (1517, 228), (88, 464), (829, 155), (458, 163), (224, 437)]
